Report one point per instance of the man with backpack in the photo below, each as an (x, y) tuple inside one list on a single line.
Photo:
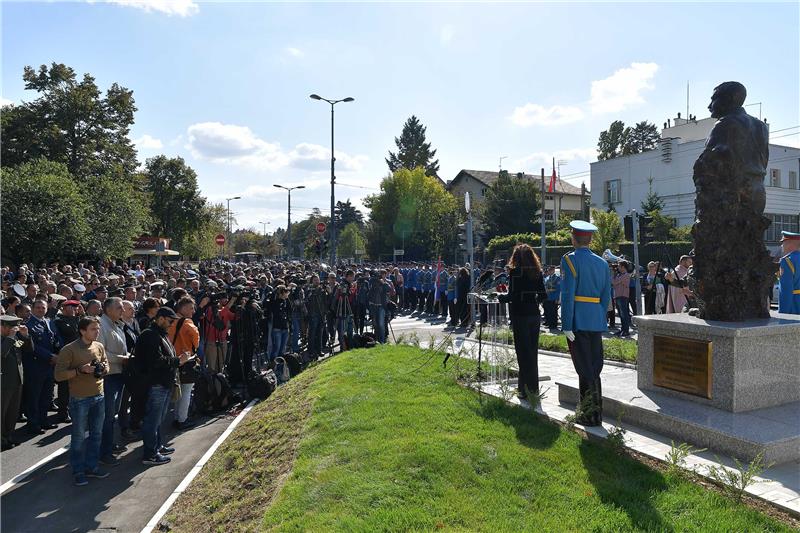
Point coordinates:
[(158, 363)]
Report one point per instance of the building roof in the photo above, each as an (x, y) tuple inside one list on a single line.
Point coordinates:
[(488, 177)]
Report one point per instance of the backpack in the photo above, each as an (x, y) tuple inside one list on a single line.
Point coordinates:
[(262, 385), (212, 392), (368, 340), (294, 363), (281, 370)]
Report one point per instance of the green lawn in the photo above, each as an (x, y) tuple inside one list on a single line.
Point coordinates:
[(615, 349), (378, 440)]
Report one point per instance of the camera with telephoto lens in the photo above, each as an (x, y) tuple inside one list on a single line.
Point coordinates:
[(99, 369)]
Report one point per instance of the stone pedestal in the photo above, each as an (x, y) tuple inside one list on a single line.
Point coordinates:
[(754, 364)]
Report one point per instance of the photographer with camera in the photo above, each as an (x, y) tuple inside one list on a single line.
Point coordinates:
[(297, 303), (343, 301), (620, 283), (361, 302), (83, 363), (216, 315), (316, 304), (380, 293), (279, 310)]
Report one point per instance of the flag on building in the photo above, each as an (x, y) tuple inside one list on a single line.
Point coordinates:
[(552, 186)]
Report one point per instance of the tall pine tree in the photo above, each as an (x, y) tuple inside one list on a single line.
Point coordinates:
[(413, 151)]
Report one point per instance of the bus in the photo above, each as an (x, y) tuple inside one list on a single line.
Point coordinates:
[(248, 257)]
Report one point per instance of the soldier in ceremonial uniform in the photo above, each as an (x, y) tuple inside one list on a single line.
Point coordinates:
[(15, 340), (790, 274), (585, 295)]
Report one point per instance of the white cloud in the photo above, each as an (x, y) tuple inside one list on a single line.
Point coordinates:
[(294, 52), (537, 160), (147, 142), (535, 114), (5, 101), (182, 8), (447, 33), (623, 88), (231, 144)]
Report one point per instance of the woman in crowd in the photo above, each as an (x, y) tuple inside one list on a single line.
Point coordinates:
[(525, 292), (279, 310), (185, 337), (653, 285), (462, 288)]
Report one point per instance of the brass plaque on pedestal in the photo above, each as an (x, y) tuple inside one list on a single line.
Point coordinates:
[(683, 365)]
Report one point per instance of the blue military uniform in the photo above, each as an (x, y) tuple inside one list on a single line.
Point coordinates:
[(39, 373), (789, 300), (585, 295)]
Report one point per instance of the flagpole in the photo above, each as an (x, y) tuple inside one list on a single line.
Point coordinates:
[(543, 254)]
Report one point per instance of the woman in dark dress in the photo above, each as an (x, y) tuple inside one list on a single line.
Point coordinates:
[(462, 288), (525, 292)]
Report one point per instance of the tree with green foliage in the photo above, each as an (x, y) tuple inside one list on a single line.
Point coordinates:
[(44, 213), (652, 202), (641, 138), (71, 122), (609, 145), (609, 231), (116, 214), (662, 225), (620, 140), (175, 200), (199, 243), (350, 242), (509, 206), (413, 151), (409, 208), (346, 213)]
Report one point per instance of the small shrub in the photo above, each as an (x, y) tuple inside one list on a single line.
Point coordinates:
[(734, 482), (676, 457)]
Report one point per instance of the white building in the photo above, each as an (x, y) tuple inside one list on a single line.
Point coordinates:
[(625, 181)]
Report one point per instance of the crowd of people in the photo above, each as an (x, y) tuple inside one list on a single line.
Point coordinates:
[(110, 348)]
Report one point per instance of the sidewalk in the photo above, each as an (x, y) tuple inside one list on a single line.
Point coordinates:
[(123, 502)]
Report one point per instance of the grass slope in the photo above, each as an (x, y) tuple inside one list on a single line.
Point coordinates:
[(624, 350), (390, 446)]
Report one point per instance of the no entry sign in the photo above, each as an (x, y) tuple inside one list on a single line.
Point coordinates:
[(321, 227), (219, 239)]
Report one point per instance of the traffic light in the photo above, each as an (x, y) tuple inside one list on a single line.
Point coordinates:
[(462, 236), (627, 223), (645, 229)]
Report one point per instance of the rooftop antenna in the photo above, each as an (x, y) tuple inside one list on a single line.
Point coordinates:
[(500, 165), (687, 100)]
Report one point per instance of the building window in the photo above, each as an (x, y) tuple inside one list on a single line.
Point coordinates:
[(613, 192), (793, 179), (781, 223), (483, 191), (548, 215), (548, 198), (774, 177)]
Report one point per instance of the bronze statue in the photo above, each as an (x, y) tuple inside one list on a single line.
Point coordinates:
[(733, 271)]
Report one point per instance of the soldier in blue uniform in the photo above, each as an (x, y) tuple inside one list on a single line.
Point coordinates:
[(585, 295), (411, 288), (789, 301)]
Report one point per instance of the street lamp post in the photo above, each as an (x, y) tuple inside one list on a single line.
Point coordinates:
[(228, 240), (264, 226), (333, 175), (289, 212)]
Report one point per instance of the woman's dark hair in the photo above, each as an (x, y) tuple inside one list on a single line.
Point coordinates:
[(463, 273), (87, 321), (525, 259), (150, 303)]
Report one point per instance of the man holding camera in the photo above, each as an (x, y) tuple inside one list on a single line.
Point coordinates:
[(83, 363), (216, 314)]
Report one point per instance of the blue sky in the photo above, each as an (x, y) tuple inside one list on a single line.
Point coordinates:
[(226, 85)]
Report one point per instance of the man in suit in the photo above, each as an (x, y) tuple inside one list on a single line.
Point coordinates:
[(585, 295), (15, 341)]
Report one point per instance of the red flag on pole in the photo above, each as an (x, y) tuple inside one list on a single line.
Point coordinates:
[(552, 186)]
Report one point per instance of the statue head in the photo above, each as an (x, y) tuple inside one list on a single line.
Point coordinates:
[(727, 97)]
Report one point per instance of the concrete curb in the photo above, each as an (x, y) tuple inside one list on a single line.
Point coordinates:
[(153, 523)]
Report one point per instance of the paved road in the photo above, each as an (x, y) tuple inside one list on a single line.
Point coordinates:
[(123, 502)]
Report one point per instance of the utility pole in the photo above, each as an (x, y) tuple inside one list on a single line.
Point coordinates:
[(289, 217), (635, 223), (583, 202), (228, 240), (543, 254)]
